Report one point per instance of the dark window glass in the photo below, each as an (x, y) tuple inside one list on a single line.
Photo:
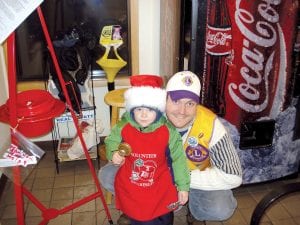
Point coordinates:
[(62, 16)]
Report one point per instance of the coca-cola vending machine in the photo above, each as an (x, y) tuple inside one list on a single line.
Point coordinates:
[(247, 68)]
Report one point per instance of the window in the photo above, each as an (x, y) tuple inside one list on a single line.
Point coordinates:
[(61, 16)]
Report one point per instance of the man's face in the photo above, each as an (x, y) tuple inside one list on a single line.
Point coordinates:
[(180, 113)]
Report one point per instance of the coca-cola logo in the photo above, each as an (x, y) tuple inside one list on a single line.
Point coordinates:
[(256, 64), (218, 40)]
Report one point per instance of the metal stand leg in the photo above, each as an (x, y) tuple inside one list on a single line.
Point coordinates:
[(270, 198)]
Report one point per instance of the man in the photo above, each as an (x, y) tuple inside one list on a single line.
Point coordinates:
[(212, 159), (211, 156)]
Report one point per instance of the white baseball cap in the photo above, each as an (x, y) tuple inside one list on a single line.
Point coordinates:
[(184, 84)]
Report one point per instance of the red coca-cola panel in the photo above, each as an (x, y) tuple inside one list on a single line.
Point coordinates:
[(259, 81)]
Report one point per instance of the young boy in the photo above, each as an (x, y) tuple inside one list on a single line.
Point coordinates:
[(146, 189)]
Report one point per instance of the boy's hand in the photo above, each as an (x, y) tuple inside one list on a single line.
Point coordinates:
[(117, 159), (183, 197)]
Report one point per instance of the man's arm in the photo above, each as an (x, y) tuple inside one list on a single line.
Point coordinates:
[(225, 171)]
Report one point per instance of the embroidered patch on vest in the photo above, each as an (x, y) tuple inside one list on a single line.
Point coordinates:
[(196, 153)]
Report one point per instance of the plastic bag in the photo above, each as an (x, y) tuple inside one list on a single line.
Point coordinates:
[(25, 154)]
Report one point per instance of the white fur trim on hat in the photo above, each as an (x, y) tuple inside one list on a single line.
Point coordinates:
[(145, 96), (184, 81)]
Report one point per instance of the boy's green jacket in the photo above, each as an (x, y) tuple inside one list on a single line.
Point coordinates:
[(174, 152)]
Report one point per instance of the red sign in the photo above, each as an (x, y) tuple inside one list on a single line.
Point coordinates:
[(259, 81)]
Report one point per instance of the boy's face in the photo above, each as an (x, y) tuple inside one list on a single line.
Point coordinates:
[(144, 116)]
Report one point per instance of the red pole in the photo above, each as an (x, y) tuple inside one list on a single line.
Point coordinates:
[(79, 133), (13, 122)]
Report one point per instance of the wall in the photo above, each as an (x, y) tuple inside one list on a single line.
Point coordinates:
[(149, 36), (170, 13), (159, 34)]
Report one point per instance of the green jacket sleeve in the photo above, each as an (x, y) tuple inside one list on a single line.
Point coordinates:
[(113, 140), (179, 164)]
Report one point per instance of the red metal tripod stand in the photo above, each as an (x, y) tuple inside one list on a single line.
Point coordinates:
[(47, 213)]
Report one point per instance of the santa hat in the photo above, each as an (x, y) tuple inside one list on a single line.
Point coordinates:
[(146, 91), (184, 84)]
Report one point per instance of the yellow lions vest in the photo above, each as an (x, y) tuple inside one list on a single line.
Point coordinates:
[(197, 141)]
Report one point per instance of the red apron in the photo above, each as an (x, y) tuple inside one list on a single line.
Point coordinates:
[(143, 184)]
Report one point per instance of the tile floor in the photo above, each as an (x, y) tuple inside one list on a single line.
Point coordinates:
[(75, 182)]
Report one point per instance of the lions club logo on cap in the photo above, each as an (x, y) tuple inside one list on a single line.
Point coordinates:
[(187, 80)]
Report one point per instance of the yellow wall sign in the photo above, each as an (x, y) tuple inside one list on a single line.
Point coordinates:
[(111, 36)]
